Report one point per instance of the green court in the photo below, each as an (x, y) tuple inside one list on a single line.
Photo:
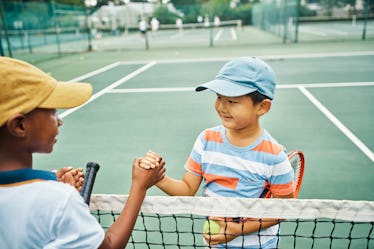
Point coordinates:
[(145, 100)]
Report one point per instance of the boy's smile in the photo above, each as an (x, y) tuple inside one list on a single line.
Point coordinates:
[(236, 112)]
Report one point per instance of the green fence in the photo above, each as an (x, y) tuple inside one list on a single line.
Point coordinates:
[(329, 20), (26, 27), (36, 30)]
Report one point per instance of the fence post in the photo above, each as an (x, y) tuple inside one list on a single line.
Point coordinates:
[(297, 21), (5, 30), (365, 20)]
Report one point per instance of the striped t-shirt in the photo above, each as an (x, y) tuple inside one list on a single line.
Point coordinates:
[(233, 171)]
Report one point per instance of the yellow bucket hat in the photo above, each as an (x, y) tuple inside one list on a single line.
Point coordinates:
[(24, 88)]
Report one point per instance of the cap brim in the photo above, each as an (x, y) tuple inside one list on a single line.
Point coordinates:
[(225, 88), (67, 95)]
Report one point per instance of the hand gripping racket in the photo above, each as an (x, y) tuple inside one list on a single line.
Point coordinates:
[(297, 161), (89, 180)]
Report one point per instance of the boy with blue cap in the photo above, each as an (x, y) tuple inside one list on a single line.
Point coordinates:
[(237, 158), (36, 211)]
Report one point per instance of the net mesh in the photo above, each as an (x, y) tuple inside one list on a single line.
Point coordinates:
[(177, 222)]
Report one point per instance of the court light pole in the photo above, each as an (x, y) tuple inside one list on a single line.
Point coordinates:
[(89, 4)]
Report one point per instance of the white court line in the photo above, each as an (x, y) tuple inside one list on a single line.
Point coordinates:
[(233, 34), (152, 90), (321, 85), (179, 34), (338, 124), (264, 57), (93, 73), (287, 86), (108, 88), (312, 31), (218, 35)]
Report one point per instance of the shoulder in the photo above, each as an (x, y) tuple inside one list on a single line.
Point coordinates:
[(270, 147), (52, 193), (56, 209), (214, 134)]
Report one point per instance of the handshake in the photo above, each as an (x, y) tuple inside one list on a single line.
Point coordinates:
[(151, 160)]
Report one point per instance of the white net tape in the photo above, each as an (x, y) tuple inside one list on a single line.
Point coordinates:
[(356, 211)]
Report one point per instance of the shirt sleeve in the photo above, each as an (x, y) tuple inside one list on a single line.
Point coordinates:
[(193, 164), (75, 227)]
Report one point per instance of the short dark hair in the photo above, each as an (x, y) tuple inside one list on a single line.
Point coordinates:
[(257, 97)]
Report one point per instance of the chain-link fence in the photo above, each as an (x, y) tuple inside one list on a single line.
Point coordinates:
[(36, 30), (296, 21), (27, 27)]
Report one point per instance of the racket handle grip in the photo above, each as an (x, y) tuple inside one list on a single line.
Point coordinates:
[(89, 179), (264, 193)]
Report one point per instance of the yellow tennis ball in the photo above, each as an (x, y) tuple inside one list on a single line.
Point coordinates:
[(212, 227)]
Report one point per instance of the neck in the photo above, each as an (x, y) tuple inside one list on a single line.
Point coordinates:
[(12, 160), (14, 153), (243, 137)]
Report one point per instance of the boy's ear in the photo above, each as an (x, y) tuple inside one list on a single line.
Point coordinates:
[(264, 107), (15, 125)]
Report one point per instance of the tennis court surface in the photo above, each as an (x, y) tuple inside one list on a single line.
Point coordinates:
[(146, 100)]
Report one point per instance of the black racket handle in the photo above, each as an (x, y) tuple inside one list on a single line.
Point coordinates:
[(264, 193), (89, 180)]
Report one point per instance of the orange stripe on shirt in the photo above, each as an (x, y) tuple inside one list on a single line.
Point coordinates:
[(282, 189), (221, 180), (194, 166), (21, 183), (213, 136), (269, 147)]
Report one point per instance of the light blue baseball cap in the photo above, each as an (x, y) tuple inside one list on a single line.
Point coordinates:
[(242, 76)]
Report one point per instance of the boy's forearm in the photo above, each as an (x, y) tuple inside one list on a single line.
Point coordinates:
[(255, 225), (119, 233), (174, 187)]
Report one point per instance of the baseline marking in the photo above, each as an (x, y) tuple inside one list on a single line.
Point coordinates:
[(264, 57), (287, 86)]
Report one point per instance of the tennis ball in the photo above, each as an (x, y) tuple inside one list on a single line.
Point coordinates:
[(212, 227)]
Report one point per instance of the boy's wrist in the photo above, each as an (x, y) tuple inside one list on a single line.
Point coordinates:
[(138, 188)]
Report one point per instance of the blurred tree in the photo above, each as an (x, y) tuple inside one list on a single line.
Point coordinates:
[(164, 16), (220, 8), (190, 8)]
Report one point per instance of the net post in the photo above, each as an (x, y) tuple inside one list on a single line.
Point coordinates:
[(211, 36), (146, 40)]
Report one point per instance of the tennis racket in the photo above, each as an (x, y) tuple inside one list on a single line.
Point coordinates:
[(89, 179), (297, 161)]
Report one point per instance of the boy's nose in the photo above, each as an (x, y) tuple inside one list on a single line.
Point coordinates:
[(59, 121)]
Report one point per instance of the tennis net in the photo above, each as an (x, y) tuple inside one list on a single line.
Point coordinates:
[(177, 222)]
